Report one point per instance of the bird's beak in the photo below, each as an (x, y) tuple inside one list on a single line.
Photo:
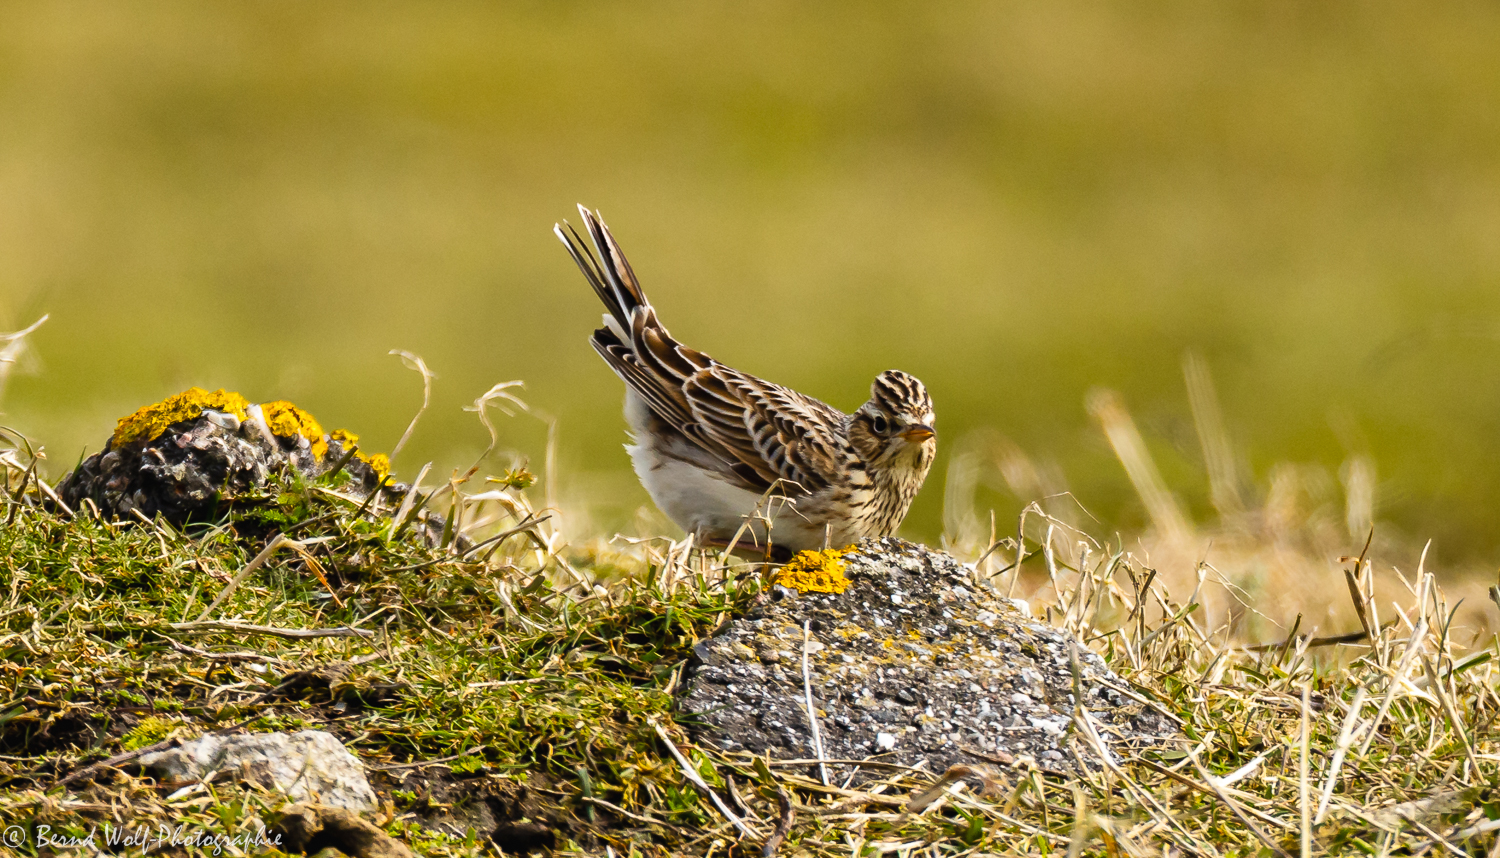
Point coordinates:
[(917, 433)]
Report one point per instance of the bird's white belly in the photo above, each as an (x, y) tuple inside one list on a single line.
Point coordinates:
[(700, 502)]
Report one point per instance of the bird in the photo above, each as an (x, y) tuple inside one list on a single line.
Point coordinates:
[(740, 462)]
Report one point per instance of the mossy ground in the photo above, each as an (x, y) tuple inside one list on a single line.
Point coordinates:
[(538, 678)]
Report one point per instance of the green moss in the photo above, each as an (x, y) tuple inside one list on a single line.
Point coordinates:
[(151, 730)]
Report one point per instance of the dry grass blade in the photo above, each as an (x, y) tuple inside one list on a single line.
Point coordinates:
[(1356, 594), (811, 704), (784, 819), (1455, 723), (116, 760), (1236, 809), (234, 583), (416, 364), (316, 567), (269, 631), (697, 781), (1397, 682), (407, 509), (1303, 775), (1346, 738), (1213, 435), (1215, 787), (499, 396), (45, 489), (12, 346), (923, 800), (1107, 408)]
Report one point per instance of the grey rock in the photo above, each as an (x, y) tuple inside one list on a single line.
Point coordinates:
[(952, 644), (193, 467), (307, 766)]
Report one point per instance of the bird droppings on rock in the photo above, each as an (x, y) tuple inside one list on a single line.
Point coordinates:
[(915, 661), (189, 454)]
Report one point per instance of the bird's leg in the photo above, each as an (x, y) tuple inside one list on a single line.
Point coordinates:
[(771, 553)]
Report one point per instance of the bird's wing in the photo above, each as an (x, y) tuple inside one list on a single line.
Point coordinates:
[(774, 431), (761, 432)]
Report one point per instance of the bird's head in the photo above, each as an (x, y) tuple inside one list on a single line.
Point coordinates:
[(895, 428)]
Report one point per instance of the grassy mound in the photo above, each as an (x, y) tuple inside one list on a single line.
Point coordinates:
[(518, 691)]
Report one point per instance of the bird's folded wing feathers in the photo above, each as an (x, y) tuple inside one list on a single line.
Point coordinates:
[(669, 402), (778, 433), (671, 408)]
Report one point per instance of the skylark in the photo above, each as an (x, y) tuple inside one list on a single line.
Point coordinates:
[(723, 452)]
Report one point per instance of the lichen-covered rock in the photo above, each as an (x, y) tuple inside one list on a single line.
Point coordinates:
[(310, 766), (914, 661), (184, 457)]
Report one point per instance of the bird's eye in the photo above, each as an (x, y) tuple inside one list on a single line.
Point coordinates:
[(879, 424)]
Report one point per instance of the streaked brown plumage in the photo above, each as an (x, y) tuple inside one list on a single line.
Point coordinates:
[(712, 443)]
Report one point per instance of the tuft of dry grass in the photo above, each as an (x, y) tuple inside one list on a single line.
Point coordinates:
[(1277, 557)]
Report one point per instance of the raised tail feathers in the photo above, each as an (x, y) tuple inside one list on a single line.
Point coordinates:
[(608, 273)]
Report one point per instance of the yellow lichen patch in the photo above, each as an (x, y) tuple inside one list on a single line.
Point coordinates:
[(149, 422), (380, 463), (815, 572), (287, 421)]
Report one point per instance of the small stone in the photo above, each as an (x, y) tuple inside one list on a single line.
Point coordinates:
[(885, 741), (309, 765)]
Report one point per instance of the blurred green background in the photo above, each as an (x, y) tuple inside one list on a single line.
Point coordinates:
[(1015, 202)]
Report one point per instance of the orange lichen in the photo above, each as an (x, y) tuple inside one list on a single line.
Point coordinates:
[(286, 420), (380, 463), (149, 422), (815, 572)]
